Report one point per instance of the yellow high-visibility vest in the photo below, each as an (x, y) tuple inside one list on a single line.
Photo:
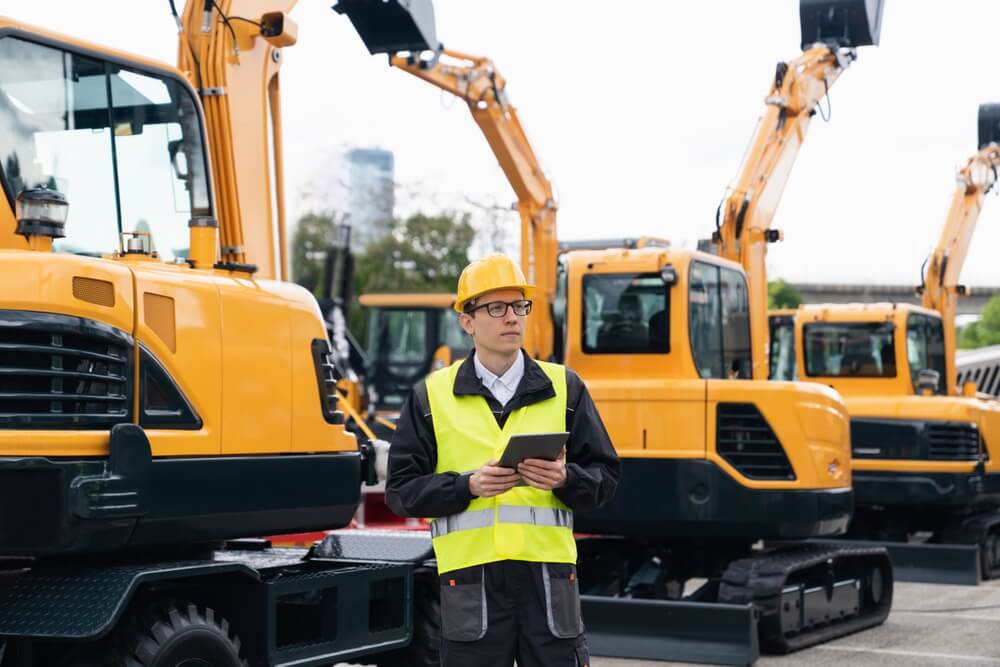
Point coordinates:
[(522, 524)]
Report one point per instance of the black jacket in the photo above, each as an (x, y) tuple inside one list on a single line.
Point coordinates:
[(414, 489)]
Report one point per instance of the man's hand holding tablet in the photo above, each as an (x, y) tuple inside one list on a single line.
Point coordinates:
[(532, 459)]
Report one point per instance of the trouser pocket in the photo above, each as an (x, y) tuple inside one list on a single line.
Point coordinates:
[(463, 605), (562, 600)]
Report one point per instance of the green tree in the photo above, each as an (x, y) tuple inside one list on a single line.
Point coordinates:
[(986, 331), (782, 295), (314, 234), (423, 253)]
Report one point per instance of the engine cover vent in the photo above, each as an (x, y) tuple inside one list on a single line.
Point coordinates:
[(745, 440)]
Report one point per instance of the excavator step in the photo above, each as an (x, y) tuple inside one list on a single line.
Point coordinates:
[(699, 632), (811, 594)]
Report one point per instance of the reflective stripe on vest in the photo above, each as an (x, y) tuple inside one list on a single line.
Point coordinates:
[(535, 516), (522, 524)]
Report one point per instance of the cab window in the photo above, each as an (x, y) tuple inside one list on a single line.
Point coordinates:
[(719, 318), (850, 349), (625, 313), (124, 146), (450, 333), (925, 348), (398, 336), (782, 348)]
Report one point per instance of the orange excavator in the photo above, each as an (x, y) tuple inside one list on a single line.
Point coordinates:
[(715, 458), (925, 467)]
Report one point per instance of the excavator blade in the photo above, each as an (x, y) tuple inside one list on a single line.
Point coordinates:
[(389, 26), (840, 23), (989, 124)]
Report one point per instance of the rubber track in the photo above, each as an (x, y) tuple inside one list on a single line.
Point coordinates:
[(760, 580)]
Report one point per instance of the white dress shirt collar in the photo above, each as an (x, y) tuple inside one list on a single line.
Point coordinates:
[(502, 387)]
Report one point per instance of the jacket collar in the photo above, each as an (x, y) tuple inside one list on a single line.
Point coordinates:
[(535, 385)]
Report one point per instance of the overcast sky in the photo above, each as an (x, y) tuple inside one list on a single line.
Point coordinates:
[(640, 111)]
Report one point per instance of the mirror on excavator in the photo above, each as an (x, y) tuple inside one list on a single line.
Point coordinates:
[(392, 26)]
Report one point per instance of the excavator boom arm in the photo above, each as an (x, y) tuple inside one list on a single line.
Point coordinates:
[(746, 214), (235, 68), (476, 80), (941, 289)]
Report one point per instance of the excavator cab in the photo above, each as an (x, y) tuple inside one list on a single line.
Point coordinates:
[(409, 336), (393, 25)]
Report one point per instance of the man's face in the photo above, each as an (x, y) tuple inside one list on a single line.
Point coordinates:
[(501, 335)]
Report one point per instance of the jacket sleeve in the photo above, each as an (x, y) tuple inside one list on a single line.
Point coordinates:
[(592, 465), (413, 489)]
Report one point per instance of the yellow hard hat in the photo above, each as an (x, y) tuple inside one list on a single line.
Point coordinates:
[(491, 273)]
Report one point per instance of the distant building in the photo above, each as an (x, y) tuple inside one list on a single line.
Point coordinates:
[(369, 178)]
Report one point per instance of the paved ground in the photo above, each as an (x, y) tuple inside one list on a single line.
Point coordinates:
[(929, 626)]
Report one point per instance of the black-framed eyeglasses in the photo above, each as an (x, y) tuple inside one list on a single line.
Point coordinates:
[(499, 308)]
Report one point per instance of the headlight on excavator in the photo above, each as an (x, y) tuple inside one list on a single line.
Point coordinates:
[(42, 212)]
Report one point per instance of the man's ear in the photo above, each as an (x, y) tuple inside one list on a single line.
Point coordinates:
[(465, 320)]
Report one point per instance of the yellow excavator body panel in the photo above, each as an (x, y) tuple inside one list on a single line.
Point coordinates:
[(895, 396), (660, 406), (205, 328)]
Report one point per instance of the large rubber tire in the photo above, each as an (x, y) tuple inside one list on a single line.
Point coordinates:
[(425, 648), (179, 634)]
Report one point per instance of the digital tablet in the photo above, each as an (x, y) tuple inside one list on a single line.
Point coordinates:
[(532, 446)]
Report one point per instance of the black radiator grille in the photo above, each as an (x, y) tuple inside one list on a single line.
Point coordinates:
[(745, 440), (59, 371), (915, 440), (952, 442)]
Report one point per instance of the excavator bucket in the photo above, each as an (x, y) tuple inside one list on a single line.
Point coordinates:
[(389, 26), (989, 124), (840, 23)]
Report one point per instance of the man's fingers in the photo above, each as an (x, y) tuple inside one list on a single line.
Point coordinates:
[(529, 471), (540, 478), (541, 464), (495, 471), (505, 480), (545, 486), (495, 490)]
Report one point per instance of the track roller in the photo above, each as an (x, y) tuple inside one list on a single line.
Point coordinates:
[(810, 595)]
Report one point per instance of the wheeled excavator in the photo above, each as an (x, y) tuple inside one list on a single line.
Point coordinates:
[(715, 457), (164, 394), (925, 468)]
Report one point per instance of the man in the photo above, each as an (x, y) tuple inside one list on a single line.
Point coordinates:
[(505, 552)]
